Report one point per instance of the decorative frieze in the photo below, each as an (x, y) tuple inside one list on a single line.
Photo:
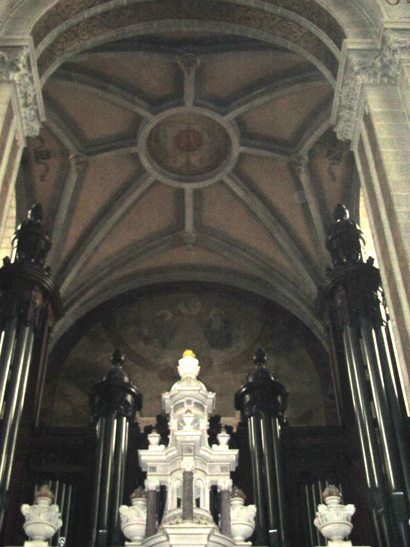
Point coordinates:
[(16, 66)]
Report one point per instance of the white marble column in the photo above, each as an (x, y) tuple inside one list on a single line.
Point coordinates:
[(372, 109), (21, 113)]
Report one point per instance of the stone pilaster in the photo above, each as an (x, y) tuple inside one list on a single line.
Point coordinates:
[(372, 108), (21, 113)]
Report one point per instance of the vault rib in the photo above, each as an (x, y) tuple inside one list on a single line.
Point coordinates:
[(275, 229), (274, 89), (105, 90), (100, 228)]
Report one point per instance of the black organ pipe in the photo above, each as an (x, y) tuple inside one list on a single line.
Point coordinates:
[(114, 402), (352, 297), (29, 305)]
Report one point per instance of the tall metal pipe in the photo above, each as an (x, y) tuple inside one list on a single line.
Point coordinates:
[(6, 355), (368, 440), (119, 473), (100, 434), (280, 490), (20, 402), (107, 474), (393, 396), (257, 479)]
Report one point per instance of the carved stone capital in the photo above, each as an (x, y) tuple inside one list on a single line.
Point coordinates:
[(16, 66), (348, 100), (188, 465), (367, 66), (225, 484), (151, 484)]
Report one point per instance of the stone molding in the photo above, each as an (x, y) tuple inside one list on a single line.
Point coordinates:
[(16, 65), (366, 67)]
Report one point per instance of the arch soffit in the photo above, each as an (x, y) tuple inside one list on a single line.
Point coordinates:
[(270, 291), (25, 17), (263, 21)]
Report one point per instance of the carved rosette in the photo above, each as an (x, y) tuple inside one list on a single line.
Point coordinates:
[(16, 66)]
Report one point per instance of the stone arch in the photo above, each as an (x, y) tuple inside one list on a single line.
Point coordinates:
[(286, 299), (263, 22), (21, 18)]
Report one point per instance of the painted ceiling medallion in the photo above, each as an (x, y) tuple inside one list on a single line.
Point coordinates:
[(188, 144)]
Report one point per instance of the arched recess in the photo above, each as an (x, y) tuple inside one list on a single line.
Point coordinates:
[(222, 324), (20, 18)]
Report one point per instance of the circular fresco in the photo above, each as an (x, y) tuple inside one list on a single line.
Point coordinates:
[(188, 144)]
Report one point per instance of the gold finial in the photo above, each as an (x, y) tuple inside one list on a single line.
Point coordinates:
[(189, 353)]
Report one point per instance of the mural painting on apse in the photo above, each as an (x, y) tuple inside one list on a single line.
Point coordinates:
[(223, 329)]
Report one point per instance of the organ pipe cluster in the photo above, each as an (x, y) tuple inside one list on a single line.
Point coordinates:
[(262, 402), (114, 402), (29, 306), (352, 299)]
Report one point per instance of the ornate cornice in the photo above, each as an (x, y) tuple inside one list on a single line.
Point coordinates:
[(16, 66), (366, 66)]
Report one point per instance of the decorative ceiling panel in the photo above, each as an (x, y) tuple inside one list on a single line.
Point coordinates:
[(280, 189), (282, 117), (93, 118), (222, 212), (102, 181), (244, 73), (125, 69), (155, 212)]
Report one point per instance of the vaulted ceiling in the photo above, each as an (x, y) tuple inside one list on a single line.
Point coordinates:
[(188, 155)]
